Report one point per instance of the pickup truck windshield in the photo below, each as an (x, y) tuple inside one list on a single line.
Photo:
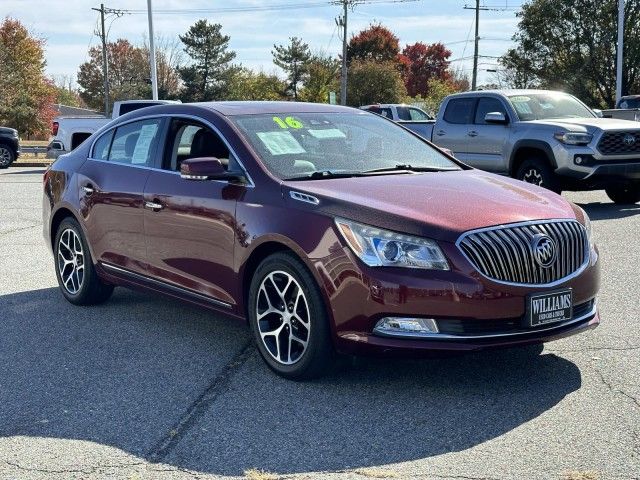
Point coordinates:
[(293, 146), (541, 106)]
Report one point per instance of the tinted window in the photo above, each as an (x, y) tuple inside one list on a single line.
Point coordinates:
[(488, 105), (101, 147), (135, 143), (78, 138), (459, 110), (385, 112), (189, 139), (411, 114)]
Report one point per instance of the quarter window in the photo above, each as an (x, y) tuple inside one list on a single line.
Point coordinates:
[(135, 143), (101, 147), (459, 110), (488, 105)]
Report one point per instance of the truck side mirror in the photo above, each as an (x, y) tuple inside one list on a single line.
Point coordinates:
[(496, 117), (598, 112)]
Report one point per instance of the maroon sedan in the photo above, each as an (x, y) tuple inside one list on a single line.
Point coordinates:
[(327, 228)]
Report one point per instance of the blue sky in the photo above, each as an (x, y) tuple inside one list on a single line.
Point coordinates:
[(68, 26)]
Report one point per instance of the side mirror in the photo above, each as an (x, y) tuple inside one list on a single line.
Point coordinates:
[(496, 117), (598, 112), (208, 168)]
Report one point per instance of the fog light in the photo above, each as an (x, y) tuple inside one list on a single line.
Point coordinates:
[(578, 160), (397, 325)]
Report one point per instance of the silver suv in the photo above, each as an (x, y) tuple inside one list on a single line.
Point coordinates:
[(543, 137)]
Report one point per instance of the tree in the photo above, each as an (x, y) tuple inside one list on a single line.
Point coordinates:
[(210, 72), (169, 57), (371, 81), (249, 85), (376, 43), (422, 63), (322, 78), (293, 59), (571, 46), (128, 74), (26, 95)]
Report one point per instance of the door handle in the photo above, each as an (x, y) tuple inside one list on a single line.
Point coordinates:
[(88, 189), (153, 206), (440, 133), (472, 133)]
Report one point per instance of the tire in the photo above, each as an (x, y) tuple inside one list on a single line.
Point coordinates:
[(7, 156), (624, 194), (280, 331), (538, 172), (76, 274)]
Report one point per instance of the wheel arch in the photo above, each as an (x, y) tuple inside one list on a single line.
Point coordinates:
[(56, 219), (525, 149)]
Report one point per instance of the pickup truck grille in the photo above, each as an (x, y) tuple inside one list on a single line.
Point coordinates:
[(619, 143), (531, 253)]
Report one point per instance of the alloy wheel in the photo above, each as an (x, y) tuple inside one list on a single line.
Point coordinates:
[(5, 156), (533, 176), (282, 315), (70, 261)]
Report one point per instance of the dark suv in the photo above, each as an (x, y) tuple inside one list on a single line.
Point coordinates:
[(326, 228), (9, 146)]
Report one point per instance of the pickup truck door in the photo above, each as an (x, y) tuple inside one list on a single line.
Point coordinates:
[(452, 128), (486, 141)]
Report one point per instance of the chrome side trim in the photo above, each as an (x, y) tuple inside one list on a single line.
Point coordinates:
[(447, 336), (304, 197), (249, 183), (170, 286)]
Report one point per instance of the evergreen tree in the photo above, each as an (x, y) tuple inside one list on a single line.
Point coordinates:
[(293, 59)]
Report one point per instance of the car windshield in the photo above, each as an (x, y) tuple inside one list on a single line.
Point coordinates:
[(541, 106), (322, 145)]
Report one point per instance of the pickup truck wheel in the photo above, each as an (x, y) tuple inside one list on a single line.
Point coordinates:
[(538, 172), (624, 194), (7, 156)]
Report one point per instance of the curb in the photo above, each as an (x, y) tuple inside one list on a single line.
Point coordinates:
[(44, 163)]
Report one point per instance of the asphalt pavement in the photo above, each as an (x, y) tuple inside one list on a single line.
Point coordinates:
[(144, 387)]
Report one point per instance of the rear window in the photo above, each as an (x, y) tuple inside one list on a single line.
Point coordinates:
[(459, 110)]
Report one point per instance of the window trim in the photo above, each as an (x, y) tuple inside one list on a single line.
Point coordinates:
[(111, 132), (474, 99)]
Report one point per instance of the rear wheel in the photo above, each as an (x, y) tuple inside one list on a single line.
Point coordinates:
[(288, 319), (76, 274), (624, 194), (538, 172), (7, 156)]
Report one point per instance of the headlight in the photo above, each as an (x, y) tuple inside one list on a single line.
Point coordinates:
[(573, 138), (587, 226), (383, 248)]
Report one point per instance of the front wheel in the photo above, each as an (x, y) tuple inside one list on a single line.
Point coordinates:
[(538, 172), (624, 194), (7, 156), (288, 319)]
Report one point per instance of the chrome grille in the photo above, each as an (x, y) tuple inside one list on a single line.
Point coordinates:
[(506, 253), (619, 143)]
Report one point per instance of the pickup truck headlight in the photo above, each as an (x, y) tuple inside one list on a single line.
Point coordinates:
[(573, 138), (382, 248)]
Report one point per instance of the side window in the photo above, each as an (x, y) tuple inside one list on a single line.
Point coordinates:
[(386, 112), (189, 139), (101, 147), (135, 143), (403, 113), (459, 110), (488, 105), (418, 115)]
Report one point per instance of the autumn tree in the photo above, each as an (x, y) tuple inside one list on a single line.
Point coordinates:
[(210, 72), (376, 43), (322, 78), (293, 59), (374, 82), (249, 85), (128, 73), (26, 95), (169, 57), (422, 63)]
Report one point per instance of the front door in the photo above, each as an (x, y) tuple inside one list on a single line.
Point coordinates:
[(190, 225), (451, 131), (488, 139)]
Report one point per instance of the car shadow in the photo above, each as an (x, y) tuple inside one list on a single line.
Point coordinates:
[(27, 172), (609, 210), (125, 373)]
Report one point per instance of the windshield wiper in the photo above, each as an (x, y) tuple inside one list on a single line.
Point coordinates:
[(409, 168), (320, 174)]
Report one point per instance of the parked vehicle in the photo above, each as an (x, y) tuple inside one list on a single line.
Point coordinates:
[(627, 108), (70, 131), (9, 146), (413, 118), (547, 138), (328, 229)]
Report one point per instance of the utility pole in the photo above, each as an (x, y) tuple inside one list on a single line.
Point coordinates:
[(105, 65), (342, 22), (474, 78), (152, 53), (620, 50)]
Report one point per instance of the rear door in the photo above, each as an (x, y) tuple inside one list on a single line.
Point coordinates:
[(451, 131), (190, 225), (488, 140), (111, 184)]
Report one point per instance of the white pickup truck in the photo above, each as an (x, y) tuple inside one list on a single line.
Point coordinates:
[(70, 131)]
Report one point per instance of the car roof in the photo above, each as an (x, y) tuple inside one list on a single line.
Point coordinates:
[(505, 92), (259, 107)]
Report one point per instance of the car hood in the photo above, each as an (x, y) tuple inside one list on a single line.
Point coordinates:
[(438, 205), (588, 124)]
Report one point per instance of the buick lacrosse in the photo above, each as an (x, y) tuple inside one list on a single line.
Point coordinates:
[(328, 229)]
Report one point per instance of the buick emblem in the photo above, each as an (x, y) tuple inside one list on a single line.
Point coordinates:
[(629, 139), (544, 249)]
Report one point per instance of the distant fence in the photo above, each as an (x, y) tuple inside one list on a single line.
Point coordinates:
[(34, 150)]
